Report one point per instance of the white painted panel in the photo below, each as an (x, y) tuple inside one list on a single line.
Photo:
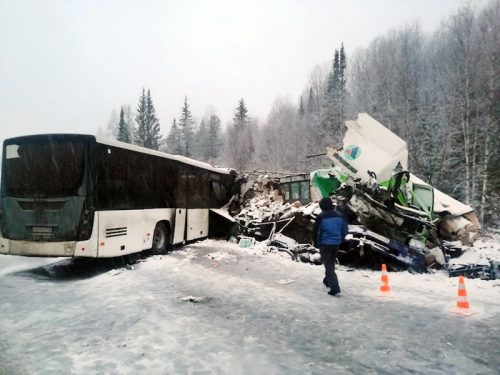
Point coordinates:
[(180, 225), (197, 224), (4, 244), (89, 248), (129, 231), (378, 149)]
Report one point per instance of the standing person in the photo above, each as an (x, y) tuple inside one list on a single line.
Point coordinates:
[(330, 230)]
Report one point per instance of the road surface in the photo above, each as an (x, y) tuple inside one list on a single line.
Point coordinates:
[(215, 308)]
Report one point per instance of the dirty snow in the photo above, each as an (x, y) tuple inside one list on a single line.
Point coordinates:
[(214, 307)]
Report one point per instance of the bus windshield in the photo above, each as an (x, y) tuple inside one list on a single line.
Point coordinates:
[(43, 167)]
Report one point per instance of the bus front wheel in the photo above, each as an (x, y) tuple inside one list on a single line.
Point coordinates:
[(161, 239)]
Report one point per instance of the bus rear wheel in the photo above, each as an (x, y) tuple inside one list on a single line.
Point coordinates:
[(161, 239)]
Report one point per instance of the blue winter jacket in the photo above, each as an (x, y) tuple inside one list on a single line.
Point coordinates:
[(330, 228)]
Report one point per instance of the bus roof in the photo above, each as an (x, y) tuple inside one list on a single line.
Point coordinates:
[(127, 146), (179, 158)]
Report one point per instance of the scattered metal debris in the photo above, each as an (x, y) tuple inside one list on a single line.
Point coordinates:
[(473, 271)]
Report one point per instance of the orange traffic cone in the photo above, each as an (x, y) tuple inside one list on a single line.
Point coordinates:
[(385, 289), (462, 307)]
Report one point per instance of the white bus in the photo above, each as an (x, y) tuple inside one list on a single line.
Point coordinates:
[(76, 195)]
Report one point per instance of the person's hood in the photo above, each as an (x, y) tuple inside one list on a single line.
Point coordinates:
[(326, 204)]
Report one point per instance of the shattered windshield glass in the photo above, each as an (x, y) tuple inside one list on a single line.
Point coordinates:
[(43, 168)]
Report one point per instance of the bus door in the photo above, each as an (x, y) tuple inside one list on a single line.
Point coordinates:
[(181, 196), (180, 225)]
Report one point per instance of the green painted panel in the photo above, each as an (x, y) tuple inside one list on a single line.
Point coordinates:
[(325, 184)]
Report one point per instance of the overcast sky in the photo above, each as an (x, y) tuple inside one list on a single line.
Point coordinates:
[(65, 65)]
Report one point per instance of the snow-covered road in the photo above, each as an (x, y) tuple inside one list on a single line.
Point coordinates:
[(216, 308)]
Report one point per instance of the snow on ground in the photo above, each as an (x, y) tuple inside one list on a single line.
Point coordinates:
[(214, 307), (482, 252)]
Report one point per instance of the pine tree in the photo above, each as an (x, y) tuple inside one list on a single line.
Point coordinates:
[(174, 141), (333, 81), (214, 137), (240, 143), (147, 133), (140, 134), (186, 126), (341, 86), (123, 130), (128, 117), (241, 119), (202, 141), (330, 103), (155, 137), (332, 110), (327, 112)]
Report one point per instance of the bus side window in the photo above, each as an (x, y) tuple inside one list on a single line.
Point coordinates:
[(151, 182), (99, 172), (181, 190), (218, 193), (116, 179), (111, 178), (134, 183), (156, 182), (204, 190), (147, 181), (166, 183), (199, 190), (215, 190)]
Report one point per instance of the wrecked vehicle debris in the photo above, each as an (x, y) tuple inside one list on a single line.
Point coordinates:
[(267, 217), (474, 271), (371, 181), (394, 216), (360, 238)]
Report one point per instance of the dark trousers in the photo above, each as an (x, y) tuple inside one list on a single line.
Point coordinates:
[(328, 257)]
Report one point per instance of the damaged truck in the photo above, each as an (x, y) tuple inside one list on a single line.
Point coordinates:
[(399, 216)]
